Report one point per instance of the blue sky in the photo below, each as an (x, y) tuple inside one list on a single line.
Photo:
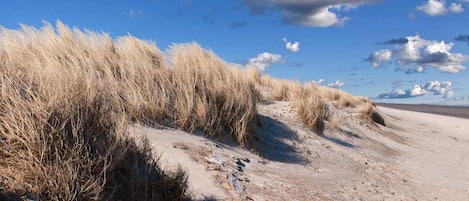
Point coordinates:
[(404, 51)]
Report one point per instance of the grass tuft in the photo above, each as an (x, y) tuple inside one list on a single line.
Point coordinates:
[(370, 113), (303, 97), (211, 96), (340, 98)]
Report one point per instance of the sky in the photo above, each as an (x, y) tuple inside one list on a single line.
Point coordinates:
[(394, 51)]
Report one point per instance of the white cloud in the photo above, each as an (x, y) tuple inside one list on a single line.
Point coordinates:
[(417, 90), (264, 60), (434, 7), (438, 8), (416, 69), (318, 82), (292, 47), (433, 87), (449, 94), (320, 18), (315, 13), (440, 88), (419, 53), (336, 84), (379, 57), (456, 8)]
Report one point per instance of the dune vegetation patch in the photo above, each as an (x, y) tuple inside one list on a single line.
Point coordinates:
[(68, 96), (66, 100)]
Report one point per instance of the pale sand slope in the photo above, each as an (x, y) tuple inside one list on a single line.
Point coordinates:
[(417, 156)]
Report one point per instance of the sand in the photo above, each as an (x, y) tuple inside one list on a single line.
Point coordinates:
[(417, 156), (454, 111)]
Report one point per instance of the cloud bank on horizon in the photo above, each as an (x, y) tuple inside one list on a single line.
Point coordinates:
[(416, 54), (433, 87)]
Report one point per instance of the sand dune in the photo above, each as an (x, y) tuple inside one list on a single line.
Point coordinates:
[(417, 156), (277, 139)]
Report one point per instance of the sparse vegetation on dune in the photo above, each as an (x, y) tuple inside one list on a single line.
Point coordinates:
[(340, 98), (210, 95), (370, 113), (67, 97), (309, 100)]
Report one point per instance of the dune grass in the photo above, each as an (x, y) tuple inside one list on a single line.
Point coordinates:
[(211, 96), (370, 113), (306, 100), (66, 99), (68, 96), (309, 100), (339, 98)]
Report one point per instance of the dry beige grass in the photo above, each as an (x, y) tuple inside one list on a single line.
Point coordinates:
[(340, 98), (67, 97), (303, 97), (370, 113), (211, 96), (310, 107), (309, 100), (64, 110)]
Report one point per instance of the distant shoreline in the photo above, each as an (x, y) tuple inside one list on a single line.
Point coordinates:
[(454, 111)]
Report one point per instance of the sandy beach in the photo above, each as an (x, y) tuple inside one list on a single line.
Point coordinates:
[(455, 111), (416, 156)]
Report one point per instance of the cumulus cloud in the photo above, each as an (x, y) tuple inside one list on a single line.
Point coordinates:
[(335, 84), (440, 88), (433, 7), (415, 69), (438, 8), (456, 8), (315, 13), (377, 58), (433, 87), (292, 47), (419, 53), (319, 82), (264, 60)]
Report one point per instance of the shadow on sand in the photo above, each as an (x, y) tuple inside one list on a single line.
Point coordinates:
[(271, 143), (338, 141), (341, 142)]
